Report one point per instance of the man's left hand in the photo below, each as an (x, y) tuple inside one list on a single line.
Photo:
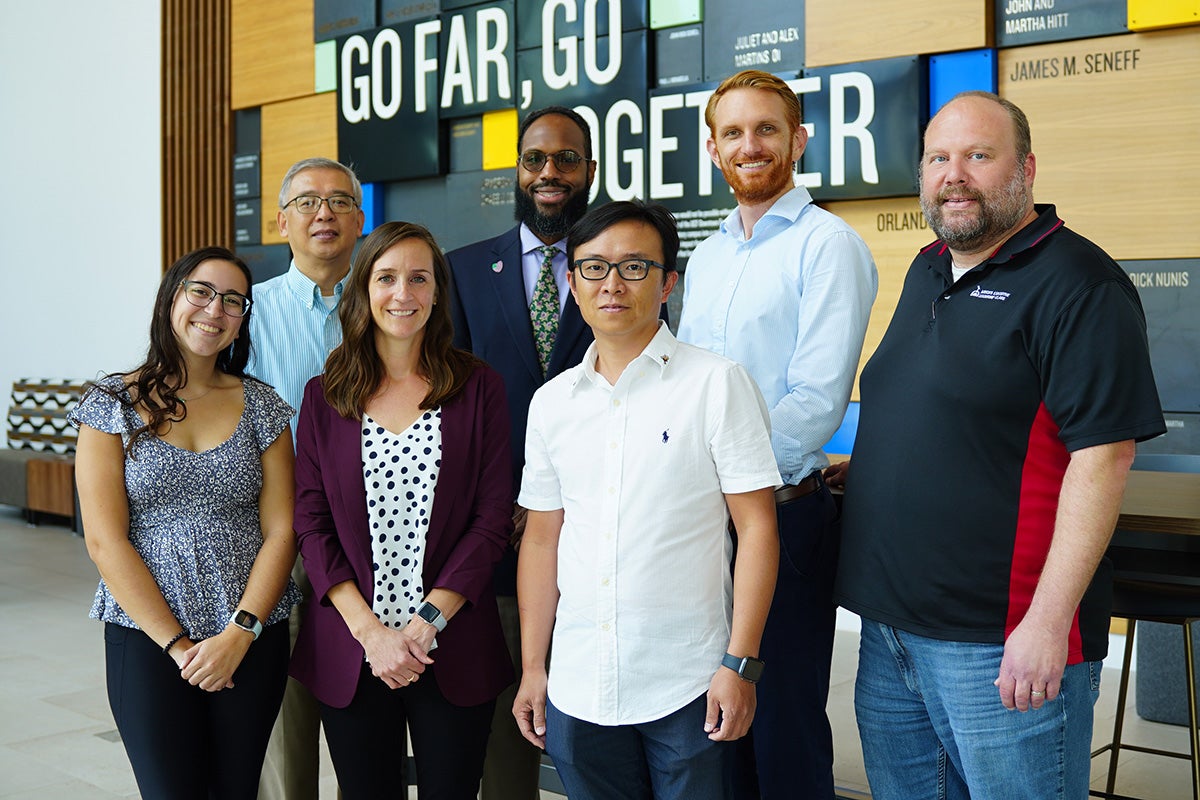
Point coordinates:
[(1032, 668), (731, 704)]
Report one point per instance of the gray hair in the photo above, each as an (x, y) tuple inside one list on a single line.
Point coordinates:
[(319, 163)]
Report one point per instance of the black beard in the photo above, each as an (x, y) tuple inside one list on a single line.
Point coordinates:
[(549, 226)]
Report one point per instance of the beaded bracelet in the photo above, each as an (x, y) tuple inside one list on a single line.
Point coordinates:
[(170, 644)]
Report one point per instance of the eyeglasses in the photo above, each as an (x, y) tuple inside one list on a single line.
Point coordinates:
[(631, 269), (311, 203), (201, 294), (564, 160)]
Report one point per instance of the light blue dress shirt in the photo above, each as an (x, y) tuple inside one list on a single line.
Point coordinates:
[(791, 305), (292, 331)]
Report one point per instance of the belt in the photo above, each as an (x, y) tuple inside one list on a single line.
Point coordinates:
[(804, 488)]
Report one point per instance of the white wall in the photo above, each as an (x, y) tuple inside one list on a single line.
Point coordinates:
[(81, 258)]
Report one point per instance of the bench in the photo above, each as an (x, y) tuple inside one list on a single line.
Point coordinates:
[(37, 471)]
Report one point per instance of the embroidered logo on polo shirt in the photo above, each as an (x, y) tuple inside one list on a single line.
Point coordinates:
[(988, 294)]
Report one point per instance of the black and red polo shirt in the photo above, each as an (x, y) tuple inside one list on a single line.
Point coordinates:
[(970, 408)]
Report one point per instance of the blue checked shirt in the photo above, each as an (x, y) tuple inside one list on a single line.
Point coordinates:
[(791, 305), (291, 333)]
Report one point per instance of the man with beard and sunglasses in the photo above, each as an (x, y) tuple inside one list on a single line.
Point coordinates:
[(785, 288), (998, 421), (512, 308)]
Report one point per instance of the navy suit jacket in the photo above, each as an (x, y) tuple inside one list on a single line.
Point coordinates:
[(491, 319), (469, 528)]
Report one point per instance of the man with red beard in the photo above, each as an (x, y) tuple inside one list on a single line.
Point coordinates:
[(785, 288), (999, 416), (512, 308)]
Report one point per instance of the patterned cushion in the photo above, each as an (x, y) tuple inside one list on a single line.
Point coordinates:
[(37, 417)]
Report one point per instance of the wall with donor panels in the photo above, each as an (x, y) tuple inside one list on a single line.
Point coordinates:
[(423, 97)]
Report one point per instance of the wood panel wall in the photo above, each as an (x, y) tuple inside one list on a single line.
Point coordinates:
[(291, 131), (197, 135), (1117, 138), (894, 230), (271, 52), (848, 31)]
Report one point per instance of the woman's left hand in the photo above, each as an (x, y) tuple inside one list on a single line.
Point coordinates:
[(210, 663)]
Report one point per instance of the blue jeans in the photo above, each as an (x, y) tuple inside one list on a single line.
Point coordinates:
[(932, 724), (668, 759)]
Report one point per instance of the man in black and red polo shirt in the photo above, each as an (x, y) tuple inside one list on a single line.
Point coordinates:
[(998, 421)]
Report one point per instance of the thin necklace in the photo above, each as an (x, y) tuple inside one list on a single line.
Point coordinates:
[(185, 401)]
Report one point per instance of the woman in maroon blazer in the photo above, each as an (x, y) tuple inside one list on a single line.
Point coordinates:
[(403, 507)]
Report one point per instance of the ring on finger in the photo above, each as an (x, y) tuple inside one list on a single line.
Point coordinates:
[(412, 677), (1036, 693)]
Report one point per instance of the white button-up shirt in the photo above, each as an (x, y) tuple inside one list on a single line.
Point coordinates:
[(640, 470)]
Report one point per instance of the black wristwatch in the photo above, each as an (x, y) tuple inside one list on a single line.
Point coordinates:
[(432, 614), (247, 622), (748, 668)]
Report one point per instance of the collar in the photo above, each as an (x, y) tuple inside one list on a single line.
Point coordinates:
[(937, 254), (659, 351), (307, 290), (530, 241), (787, 209)]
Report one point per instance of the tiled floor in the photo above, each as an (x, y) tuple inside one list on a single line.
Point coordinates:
[(57, 738)]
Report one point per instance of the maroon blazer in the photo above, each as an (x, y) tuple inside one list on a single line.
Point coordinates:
[(468, 531)]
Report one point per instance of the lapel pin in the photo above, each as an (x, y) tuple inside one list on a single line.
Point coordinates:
[(665, 358), (499, 265)]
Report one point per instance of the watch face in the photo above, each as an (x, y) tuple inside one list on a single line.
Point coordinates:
[(752, 670), (428, 612), (245, 619)]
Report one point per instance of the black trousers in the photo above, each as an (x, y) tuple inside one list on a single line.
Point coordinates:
[(185, 743), (367, 743)]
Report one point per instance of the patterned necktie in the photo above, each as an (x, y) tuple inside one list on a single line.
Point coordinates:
[(543, 309)]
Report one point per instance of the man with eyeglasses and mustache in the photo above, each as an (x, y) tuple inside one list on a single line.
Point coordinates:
[(294, 327), (512, 308)]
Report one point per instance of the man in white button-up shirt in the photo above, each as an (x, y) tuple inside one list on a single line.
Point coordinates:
[(635, 462)]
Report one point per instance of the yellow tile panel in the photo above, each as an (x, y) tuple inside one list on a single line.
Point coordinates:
[(1145, 14)]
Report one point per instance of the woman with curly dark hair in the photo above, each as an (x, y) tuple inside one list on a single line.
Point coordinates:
[(185, 468), (403, 508)]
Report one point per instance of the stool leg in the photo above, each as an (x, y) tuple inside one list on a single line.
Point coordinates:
[(1122, 695), (1194, 732)]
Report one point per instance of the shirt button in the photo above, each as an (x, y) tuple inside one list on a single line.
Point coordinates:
[(612, 445), (612, 490), (604, 582), (604, 627), (616, 403)]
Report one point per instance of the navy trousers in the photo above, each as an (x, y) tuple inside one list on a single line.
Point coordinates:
[(789, 752)]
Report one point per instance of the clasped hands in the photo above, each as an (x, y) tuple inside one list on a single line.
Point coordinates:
[(399, 657)]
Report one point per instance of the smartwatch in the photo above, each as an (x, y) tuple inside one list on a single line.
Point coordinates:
[(749, 668), (247, 622), (433, 615)]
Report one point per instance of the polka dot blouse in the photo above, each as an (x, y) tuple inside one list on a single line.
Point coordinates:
[(400, 472)]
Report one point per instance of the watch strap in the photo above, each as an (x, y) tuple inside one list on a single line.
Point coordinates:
[(747, 668)]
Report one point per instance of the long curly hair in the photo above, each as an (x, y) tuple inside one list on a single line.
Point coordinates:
[(354, 372), (155, 383)]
